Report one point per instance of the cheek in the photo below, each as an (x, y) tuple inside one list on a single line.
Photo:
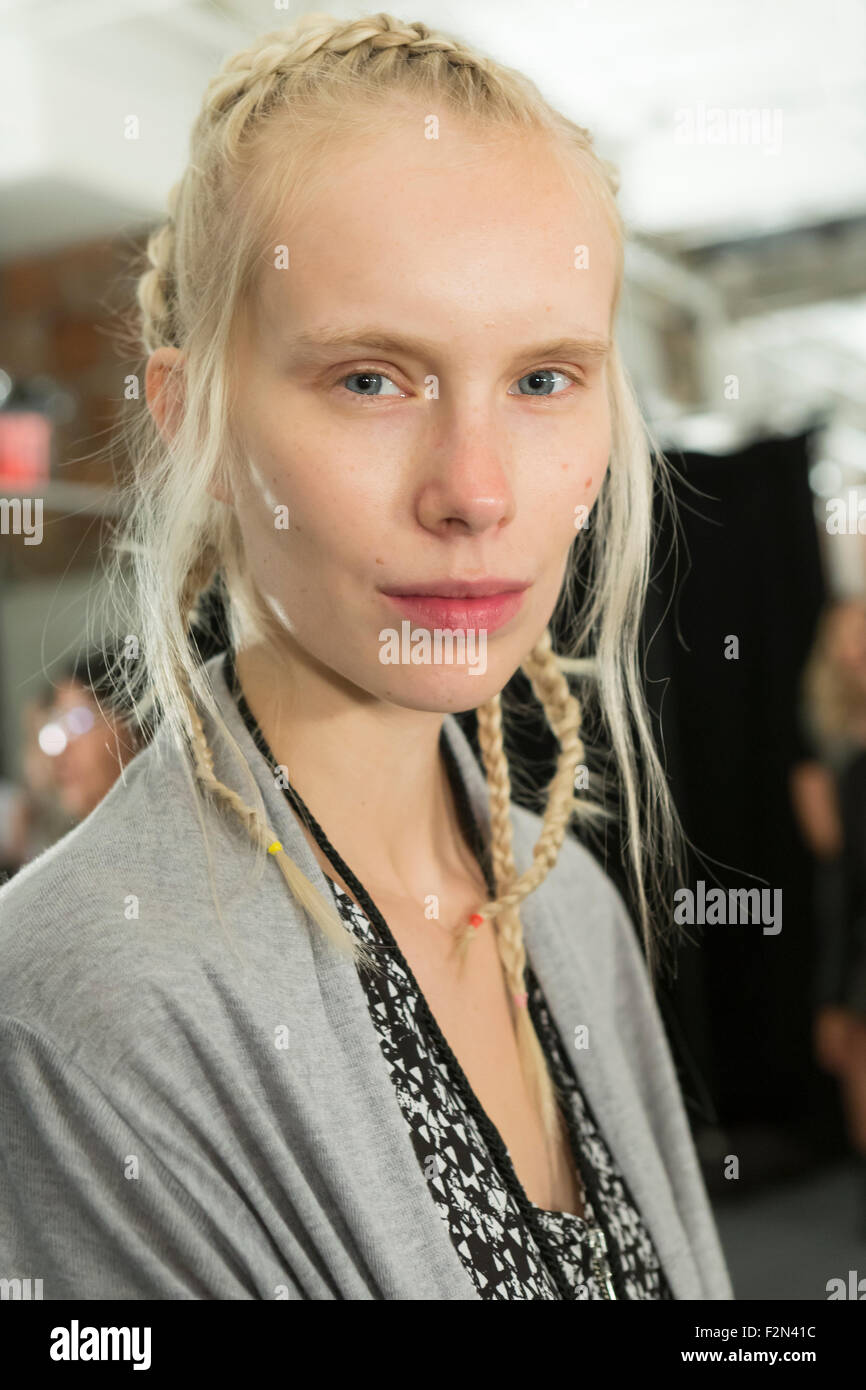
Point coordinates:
[(294, 479), (309, 493), (591, 480), (304, 515), (583, 471), (278, 504)]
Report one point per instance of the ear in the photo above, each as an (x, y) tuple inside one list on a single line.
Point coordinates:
[(163, 387), (218, 489)]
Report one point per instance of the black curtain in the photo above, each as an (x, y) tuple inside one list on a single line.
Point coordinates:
[(749, 567)]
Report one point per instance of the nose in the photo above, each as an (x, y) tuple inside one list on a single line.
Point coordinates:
[(467, 484)]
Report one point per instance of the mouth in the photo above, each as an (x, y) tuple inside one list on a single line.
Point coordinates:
[(485, 605)]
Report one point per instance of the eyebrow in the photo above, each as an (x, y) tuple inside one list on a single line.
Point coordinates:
[(325, 342)]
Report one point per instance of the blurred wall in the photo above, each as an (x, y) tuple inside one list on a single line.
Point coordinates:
[(61, 326)]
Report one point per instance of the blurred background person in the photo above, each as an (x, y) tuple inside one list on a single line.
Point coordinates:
[(829, 793), (33, 816), (88, 741), (75, 745)]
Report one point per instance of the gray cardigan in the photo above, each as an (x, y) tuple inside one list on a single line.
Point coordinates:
[(199, 1109)]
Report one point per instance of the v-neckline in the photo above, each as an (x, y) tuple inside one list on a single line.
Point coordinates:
[(580, 1223)]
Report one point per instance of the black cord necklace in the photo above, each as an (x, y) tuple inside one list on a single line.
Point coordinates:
[(599, 1246)]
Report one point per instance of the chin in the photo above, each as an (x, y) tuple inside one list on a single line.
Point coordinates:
[(443, 690)]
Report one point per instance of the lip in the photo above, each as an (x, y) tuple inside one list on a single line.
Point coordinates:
[(485, 605), (456, 588)]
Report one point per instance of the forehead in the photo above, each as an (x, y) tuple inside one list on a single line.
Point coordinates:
[(455, 236)]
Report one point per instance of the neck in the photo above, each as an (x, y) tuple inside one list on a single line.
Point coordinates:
[(371, 773)]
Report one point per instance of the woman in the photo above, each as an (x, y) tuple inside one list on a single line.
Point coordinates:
[(75, 747), (89, 742), (420, 1057), (829, 796)]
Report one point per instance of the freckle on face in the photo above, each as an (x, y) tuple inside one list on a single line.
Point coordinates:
[(588, 483)]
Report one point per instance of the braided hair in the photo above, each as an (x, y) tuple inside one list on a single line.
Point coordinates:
[(311, 83)]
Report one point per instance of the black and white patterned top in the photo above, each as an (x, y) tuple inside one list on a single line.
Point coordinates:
[(502, 1255), (511, 1248)]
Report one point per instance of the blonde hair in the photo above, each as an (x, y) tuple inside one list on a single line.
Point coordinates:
[(321, 80)]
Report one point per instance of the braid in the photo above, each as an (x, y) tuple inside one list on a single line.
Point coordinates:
[(564, 716), (196, 582), (157, 297), (499, 790), (252, 821), (249, 81), (252, 83)]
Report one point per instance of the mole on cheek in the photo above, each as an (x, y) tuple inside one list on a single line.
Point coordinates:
[(588, 483)]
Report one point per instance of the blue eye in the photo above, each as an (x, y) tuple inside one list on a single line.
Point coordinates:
[(541, 380), (369, 382)]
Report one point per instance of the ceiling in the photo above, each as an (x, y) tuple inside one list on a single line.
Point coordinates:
[(662, 86)]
